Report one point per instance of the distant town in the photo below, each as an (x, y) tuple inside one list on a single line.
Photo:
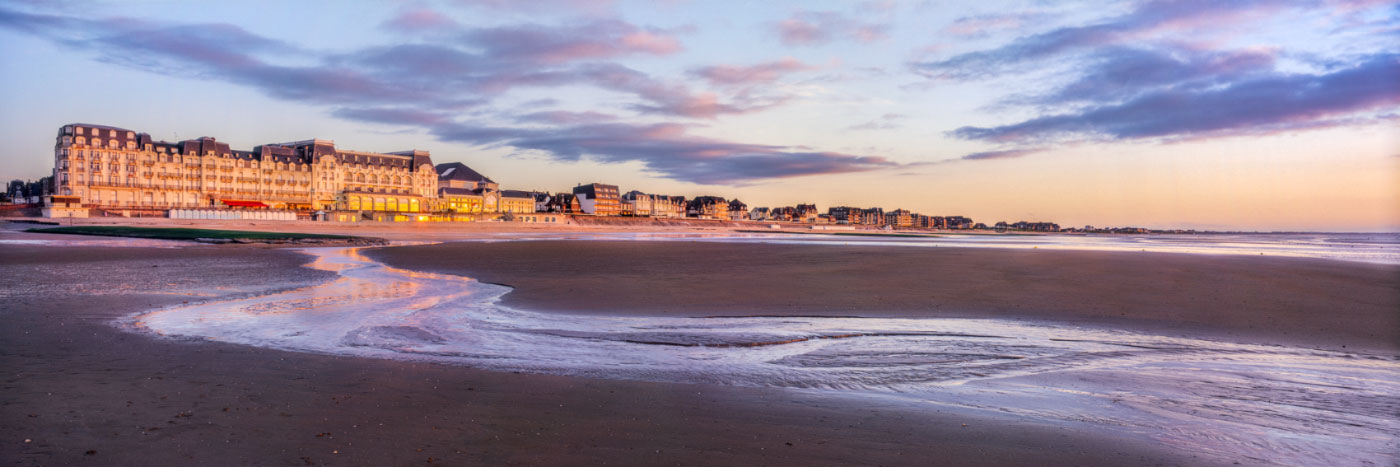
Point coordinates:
[(108, 171)]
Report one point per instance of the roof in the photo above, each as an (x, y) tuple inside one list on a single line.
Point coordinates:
[(459, 191), (591, 190), (102, 127), (516, 194), (459, 171)]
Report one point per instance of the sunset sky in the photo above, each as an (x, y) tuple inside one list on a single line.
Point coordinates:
[(1272, 115)]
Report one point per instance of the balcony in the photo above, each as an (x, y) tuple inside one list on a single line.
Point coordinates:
[(148, 163)]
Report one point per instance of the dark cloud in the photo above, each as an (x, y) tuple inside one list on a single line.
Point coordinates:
[(564, 117), (1115, 79), (810, 28), (417, 74), (1115, 73), (1150, 16), (668, 150), (427, 85), (1002, 154), (1258, 105)]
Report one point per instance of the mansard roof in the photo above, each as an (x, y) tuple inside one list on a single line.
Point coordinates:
[(460, 172)]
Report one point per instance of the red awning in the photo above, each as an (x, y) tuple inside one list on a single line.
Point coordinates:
[(243, 204)]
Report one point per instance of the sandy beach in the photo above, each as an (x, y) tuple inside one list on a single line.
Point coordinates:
[(1305, 302), (80, 391)]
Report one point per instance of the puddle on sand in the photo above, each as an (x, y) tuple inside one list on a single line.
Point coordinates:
[(1266, 404)]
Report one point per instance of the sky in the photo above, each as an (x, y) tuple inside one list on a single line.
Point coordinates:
[(1241, 115)]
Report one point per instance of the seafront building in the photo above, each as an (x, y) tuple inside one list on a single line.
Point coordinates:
[(598, 199), (105, 170), (110, 168)]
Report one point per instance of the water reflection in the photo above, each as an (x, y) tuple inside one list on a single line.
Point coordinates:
[(1266, 403)]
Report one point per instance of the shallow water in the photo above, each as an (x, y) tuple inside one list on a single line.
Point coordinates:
[(1267, 404), (1381, 248)]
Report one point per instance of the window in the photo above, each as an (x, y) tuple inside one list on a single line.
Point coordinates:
[(392, 205), (379, 204)]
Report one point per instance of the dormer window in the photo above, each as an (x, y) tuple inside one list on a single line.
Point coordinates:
[(80, 130), (112, 133)]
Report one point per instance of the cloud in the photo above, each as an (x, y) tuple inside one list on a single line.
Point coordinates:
[(1149, 17), (984, 25), (668, 150), (435, 76), (564, 117), (735, 75), (812, 28), (427, 85), (1002, 154), (1132, 77), (887, 121), (420, 19), (392, 115), (1115, 73), (582, 41), (1258, 105), (540, 6)]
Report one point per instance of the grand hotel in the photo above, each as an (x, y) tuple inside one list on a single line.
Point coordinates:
[(104, 167)]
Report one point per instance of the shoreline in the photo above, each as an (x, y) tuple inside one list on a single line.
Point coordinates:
[(84, 390), (1304, 302), (1384, 250)]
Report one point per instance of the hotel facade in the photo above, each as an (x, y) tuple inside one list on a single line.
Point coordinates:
[(112, 168)]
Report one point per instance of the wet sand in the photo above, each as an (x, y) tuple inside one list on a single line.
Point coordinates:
[(1268, 300), (81, 391)]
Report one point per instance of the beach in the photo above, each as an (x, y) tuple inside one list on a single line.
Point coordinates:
[(82, 390), (85, 392), (1270, 300)]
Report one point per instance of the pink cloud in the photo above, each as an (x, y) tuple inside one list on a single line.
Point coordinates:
[(650, 42), (819, 27), (418, 20), (583, 41), (735, 75)]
